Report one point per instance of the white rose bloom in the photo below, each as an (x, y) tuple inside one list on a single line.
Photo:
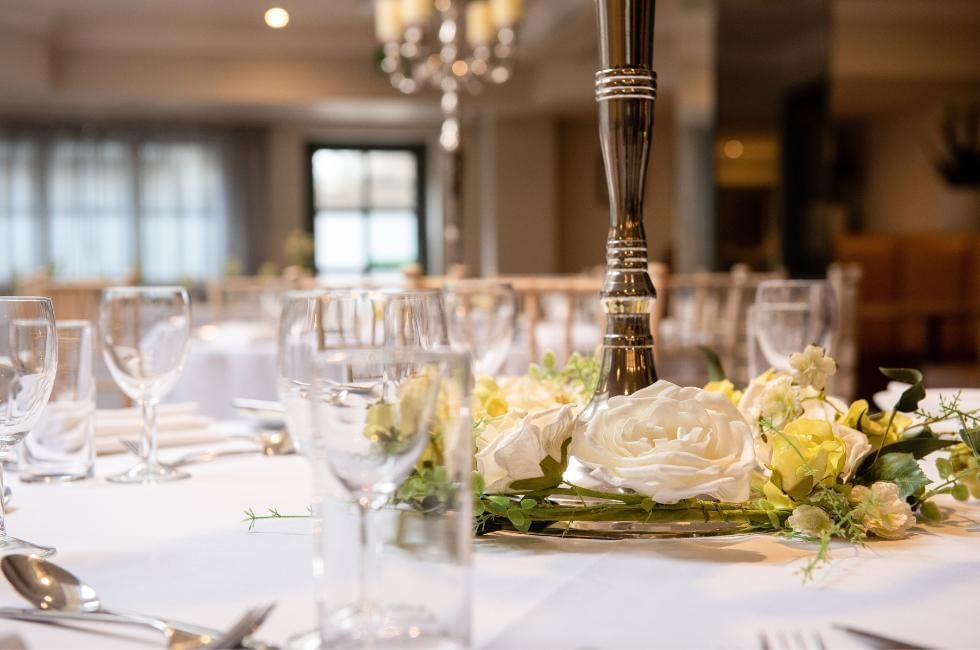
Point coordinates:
[(772, 396), (669, 443), (511, 447), (812, 367), (829, 409), (882, 511), (810, 521)]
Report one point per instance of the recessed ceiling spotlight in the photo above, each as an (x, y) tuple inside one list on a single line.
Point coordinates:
[(277, 18)]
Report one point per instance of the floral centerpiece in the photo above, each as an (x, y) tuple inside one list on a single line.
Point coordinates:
[(780, 455)]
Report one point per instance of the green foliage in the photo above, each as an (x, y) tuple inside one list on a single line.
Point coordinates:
[(579, 373), (899, 468), (908, 402), (716, 372)]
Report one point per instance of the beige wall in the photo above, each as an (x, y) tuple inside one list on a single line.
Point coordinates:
[(584, 213)]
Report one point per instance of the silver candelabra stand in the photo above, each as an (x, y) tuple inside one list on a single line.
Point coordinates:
[(456, 47)]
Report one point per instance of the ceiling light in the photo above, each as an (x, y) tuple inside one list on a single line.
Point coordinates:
[(277, 18)]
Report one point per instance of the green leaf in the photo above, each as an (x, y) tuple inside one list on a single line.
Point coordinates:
[(716, 372), (971, 437), (527, 504), (549, 360), (944, 467), (960, 492), (902, 470), (479, 483), (519, 519), (498, 505), (647, 504), (931, 511), (919, 447), (910, 398)]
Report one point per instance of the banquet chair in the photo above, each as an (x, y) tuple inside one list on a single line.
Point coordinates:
[(846, 281)]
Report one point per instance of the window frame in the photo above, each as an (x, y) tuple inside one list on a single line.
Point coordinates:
[(419, 150)]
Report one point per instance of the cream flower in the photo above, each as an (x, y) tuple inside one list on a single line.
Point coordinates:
[(669, 443), (772, 397), (882, 511), (512, 447), (527, 394), (810, 521), (812, 367)]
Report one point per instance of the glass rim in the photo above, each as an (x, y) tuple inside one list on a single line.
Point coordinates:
[(144, 288), (46, 299), (356, 291), (440, 353)]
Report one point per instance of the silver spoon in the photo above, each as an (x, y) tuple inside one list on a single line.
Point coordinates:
[(272, 444), (59, 594)]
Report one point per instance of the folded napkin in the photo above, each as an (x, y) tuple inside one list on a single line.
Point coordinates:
[(177, 424)]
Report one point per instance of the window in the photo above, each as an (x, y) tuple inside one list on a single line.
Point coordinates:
[(368, 209), (104, 206)]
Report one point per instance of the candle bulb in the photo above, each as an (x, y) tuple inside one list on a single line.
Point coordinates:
[(479, 24), (387, 20), (416, 12), (506, 13)]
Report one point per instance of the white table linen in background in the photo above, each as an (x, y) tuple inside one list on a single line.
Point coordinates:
[(227, 361), (180, 550)]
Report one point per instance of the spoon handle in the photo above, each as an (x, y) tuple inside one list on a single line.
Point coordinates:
[(42, 616)]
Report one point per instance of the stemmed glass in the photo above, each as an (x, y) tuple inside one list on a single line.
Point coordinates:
[(318, 320), (374, 414), (787, 316), (145, 331), (482, 319), (28, 364)]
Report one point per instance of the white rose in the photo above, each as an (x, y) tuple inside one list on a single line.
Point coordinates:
[(829, 409), (669, 443), (511, 447), (770, 396), (810, 521), (882, 511)]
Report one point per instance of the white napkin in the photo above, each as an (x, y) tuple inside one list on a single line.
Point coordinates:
[(177, 424)]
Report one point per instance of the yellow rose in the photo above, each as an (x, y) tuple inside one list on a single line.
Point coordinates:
[(726, 388), (874, 426), (805, 454), (489, 399)]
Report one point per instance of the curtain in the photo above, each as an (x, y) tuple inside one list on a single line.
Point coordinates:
[(168, 206)]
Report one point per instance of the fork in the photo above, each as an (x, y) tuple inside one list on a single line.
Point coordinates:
[(795, 640), (248, 624)]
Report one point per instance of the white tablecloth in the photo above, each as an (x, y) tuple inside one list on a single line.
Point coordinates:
[(180, 550), (234, 364)]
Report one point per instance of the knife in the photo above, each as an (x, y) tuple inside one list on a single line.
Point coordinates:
[(879, 641)]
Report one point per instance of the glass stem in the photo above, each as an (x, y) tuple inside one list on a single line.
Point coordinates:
[(148, 433), (3, 500), (365, 573)]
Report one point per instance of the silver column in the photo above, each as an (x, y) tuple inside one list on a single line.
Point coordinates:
[(625, 90)]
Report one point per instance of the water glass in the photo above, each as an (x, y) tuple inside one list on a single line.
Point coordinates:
[(787, 316), (28, 362), (393, 427), (61, 447), (482, 318)]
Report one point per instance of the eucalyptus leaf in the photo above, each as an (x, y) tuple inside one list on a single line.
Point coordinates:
[(915, 393), (519, 519), (716, 372), (971, 437), (901, 469), (919, 447)]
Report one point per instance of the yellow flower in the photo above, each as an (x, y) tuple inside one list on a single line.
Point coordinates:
[(874, 426), (489, 399), (726, 388), (805, 454)]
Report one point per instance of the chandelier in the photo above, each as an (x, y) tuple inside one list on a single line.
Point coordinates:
[(454, 46)]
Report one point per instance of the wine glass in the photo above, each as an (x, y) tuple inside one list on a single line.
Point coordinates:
[(787, 316), (326, 319), (145, 331), (483, 319), (28, 364), (374, 413)]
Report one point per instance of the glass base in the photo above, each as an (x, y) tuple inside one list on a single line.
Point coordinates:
[(396, 626), (10, 545), (66, 476), (147, 474)]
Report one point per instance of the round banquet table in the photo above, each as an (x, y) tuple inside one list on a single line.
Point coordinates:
[(180, 550)]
